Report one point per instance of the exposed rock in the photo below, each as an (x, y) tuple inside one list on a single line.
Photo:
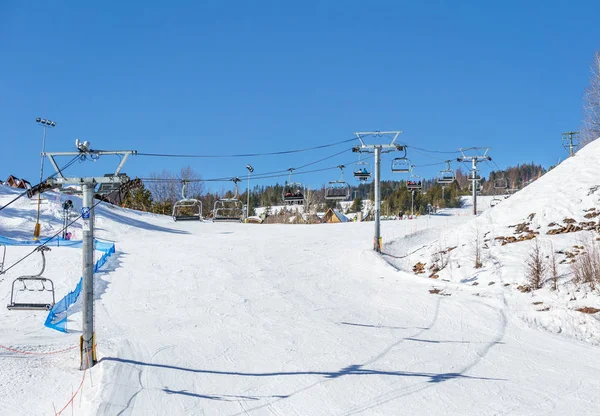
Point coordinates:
[(419, 268)]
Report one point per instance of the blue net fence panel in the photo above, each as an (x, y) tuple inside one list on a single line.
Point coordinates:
[(51, 242), (57, 317)]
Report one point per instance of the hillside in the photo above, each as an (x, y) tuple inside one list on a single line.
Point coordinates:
[(558, 212), (222, 318)]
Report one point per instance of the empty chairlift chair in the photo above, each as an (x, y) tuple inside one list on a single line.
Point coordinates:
[(28, 290), (293, 192), (499, 183), (446, 176), (187, 209), (338, 190), (477, 186), (229, 209), (401, 164)]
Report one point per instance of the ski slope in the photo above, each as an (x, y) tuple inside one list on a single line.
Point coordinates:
[(235, 319)]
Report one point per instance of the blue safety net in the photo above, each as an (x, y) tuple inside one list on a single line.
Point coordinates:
[(57, 317), (49, 241)]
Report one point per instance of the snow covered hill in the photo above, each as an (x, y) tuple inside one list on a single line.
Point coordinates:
[(558, 213), (224, 319)]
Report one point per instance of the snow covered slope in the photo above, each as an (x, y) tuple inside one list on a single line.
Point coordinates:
[(559, 213), (224, 319)]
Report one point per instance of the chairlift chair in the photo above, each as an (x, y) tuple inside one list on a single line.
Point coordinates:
[(401, 165), (293, 192), (229, 209), (362, 172), (500, 183), (477, 186), (34, 283), (414, 183), (338, 190), (473, 175), (187, 209), (106, 188), (446, 176)]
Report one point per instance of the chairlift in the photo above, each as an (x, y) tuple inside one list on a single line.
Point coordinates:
[(363, 170), (293, 192), (500, 183), (401, 165), (446, 176), (338, 190), (34, 283), (187, 209), (106, 188), (414, 183), (229, 209), (477, 186), (473, 175)]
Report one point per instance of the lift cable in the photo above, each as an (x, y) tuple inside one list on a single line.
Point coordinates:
[(283, 152), (39, 184)]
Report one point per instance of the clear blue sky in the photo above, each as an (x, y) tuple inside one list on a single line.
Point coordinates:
[(237, 77)]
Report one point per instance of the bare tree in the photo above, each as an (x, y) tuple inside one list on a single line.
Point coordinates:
[(553, 267), (195, 187), (591, 104), (164, 187), (586, 268), (535, 266)]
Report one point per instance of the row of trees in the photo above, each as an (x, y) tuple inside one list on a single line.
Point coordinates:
[(160, 193)]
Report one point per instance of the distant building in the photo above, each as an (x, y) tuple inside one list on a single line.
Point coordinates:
[(15, 182), (334, 216)]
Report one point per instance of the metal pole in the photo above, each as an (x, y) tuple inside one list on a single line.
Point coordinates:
[(88, 356), (571, 146), (377, 242), (412, 204), (248, 200), (474, 161), (36, 230)]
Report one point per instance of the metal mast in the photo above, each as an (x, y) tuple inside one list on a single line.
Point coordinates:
[(377, 149), (570, 141), (87, 342), (473, 176)]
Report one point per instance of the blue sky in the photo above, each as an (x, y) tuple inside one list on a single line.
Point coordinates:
[(250, 77)]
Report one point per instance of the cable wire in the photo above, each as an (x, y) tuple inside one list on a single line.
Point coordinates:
[(48, 239), (21, 195), (283, 152)]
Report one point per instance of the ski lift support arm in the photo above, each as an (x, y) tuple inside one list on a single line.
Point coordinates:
[(94, 154)]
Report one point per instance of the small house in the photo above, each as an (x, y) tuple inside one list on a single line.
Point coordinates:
[(334, 216)]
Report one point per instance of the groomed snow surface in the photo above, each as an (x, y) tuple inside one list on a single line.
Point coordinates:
[(198, 318)]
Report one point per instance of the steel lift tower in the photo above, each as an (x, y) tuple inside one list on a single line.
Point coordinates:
[(377, 149), (473, 175), (88, 184)]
